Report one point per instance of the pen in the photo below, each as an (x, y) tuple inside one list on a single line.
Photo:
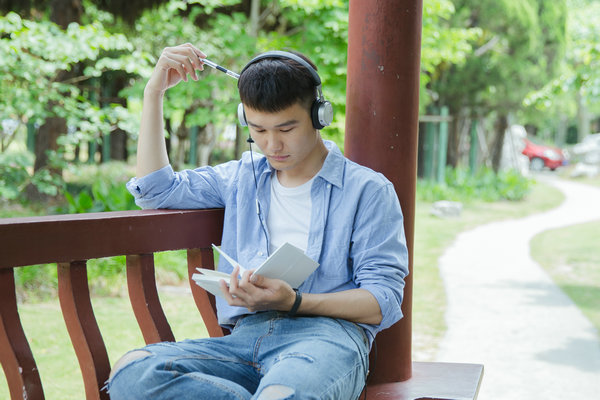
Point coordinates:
[(216, 66)]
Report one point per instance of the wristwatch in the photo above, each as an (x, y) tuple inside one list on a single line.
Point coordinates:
[(292, 312)]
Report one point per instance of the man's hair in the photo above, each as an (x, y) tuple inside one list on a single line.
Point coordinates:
[(274, 84)]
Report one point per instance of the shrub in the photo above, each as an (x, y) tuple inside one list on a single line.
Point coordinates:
[(105, 196), (15, 177), (461, 185), (98, 188)]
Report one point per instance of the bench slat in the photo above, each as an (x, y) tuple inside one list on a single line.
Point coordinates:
[(143, 295), (16, 357), (205, 302), (74, 296), (433, 380)]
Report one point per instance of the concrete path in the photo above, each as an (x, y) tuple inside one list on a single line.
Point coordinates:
[(506, 313)]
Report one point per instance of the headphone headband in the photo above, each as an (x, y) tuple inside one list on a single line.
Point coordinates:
[(321, 111), (288, 55)]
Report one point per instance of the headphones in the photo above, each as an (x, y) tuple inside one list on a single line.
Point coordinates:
[(321, 111)]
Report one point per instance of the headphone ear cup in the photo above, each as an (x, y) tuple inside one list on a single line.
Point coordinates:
[(321, 114), (242, 115)]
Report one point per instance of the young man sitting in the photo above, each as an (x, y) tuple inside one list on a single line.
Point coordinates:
[(309, 343)]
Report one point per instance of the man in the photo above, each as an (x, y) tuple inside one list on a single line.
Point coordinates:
[(310, 343)]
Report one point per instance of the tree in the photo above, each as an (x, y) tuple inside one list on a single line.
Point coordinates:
[(32, 56), (443, 46), (63, 12), (53, 122), (519, 50), (206, 104), (230, 32), (574, 94), (230, 35)]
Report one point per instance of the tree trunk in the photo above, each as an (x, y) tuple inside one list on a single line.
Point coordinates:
[(498, 143), (207, 137), (254, 25), (583, 117), (241, 143), (254, 18), (561, 130), (63, 12), (46, 141), (454, 133), (112, 83), (183, 135), (118, 145)]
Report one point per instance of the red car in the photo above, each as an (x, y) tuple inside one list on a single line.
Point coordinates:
[(541, 156)]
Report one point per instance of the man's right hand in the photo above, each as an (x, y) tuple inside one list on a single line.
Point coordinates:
[(174, 64)]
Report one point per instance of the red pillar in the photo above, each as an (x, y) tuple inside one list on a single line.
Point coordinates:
[(382, 113)]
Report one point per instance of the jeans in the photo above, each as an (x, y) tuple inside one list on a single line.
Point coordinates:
[(301, 357)]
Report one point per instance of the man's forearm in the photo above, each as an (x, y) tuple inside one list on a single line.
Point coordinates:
[(356, 305), (151, 150)]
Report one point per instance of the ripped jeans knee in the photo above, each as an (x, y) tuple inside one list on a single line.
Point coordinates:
[(169, 370), (276, 392), (127, 359)]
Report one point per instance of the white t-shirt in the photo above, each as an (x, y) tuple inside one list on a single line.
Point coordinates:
[(289, 214)]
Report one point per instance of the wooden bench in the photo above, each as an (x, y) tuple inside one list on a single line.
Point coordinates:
[(70, 240)]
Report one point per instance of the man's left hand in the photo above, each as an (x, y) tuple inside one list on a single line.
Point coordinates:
[(257, 293)]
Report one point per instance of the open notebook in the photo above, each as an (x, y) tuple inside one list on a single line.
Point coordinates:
[(288, 263)]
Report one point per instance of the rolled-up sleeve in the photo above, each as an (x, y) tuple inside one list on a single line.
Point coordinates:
[(188, 189), (149, 187), (379, 253)]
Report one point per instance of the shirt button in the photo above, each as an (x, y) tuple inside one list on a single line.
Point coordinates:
[(329, 186), (260, 253)]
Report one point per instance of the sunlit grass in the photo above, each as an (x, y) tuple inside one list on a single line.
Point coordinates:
[(573, 264), (55, 357)]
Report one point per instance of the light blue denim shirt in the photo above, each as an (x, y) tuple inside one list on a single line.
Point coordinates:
[(356, 228)]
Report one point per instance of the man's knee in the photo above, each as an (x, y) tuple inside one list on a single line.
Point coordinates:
[(127, 359), (276, 392)]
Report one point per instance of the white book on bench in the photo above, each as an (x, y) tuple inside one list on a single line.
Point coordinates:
[(288, 263)]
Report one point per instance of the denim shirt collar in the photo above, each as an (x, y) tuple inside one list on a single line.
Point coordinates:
[(333, 167), (332, 170)]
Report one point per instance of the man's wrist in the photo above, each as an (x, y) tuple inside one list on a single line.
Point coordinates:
[(296, 305), (150, 91)]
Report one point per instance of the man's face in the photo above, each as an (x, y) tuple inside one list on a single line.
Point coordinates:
[(288, 140)]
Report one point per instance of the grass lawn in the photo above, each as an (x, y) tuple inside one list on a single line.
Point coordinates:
[(55, 357), (593, 180), (573, 263)]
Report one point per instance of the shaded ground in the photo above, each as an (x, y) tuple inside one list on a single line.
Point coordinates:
[(506, 313)]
